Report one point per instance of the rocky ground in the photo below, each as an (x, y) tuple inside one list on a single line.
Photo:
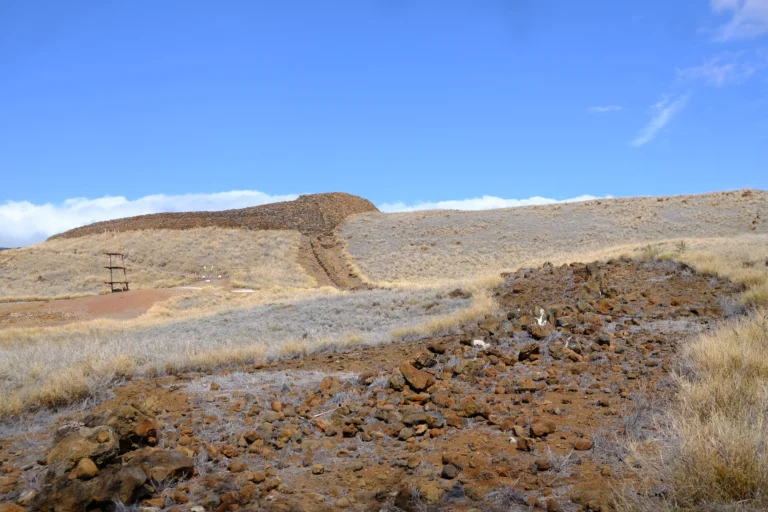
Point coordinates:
[(526, 409)]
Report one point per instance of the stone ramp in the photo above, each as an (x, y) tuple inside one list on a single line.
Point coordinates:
[(323, 259), (308, 214)]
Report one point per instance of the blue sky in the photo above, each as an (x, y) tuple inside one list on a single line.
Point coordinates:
[(105, 103)]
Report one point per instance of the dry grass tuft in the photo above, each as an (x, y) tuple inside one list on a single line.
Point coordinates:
[(712, 451), (721, 417), (483, 304)]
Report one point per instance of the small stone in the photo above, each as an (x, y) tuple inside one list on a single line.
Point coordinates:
[(85, 470), (397, 381), (582, 444), (215, 386), (271, 416), (450, 472), (251, 436), (257, 477), (418, 380), (528, 350), (238, 466), (525, 384), (542, 429), (211, 501), (414, 462), (318, 469)]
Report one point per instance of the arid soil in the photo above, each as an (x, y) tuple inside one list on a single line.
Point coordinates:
[(117, 306), (533, 414)]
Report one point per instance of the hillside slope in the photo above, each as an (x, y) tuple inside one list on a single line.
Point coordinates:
[(440, 244), (280, 244), (155, 258)]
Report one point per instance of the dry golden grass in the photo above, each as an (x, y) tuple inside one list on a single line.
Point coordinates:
[(721, 418), (713, 452), (155, 259), (482, 304)]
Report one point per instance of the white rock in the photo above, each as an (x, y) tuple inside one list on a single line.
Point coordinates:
[(480, 344)]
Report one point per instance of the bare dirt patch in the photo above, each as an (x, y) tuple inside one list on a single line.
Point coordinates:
[(532, 415), (115, 306)]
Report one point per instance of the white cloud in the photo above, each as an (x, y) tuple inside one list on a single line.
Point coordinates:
[(718, 71), (478, 203), (663, 112), (749, 18), (23, 223), (606, 108)]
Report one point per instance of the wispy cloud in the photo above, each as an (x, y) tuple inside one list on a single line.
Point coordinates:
[(749, 18), (663, 112), (718, 71), (479, 203), (23, 223), (606, 108)]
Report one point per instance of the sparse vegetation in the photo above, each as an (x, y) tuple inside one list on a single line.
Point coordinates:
[(429, 245), (53, 367)]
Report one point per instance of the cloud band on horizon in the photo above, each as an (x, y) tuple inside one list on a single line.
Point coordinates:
[(23, 223)]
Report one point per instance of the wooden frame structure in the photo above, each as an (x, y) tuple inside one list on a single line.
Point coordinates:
[(115, 267)]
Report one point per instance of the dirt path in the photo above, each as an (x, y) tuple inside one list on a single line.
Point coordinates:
[(537, 418), (116, 306)]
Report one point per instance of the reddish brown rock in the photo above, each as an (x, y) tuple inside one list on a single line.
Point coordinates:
[(418, 380)]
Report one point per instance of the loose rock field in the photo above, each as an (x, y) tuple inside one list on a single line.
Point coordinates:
[(530, 407)]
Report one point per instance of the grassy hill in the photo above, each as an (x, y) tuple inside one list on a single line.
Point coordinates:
[(439, 244), (303, 243), (155, 259)]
